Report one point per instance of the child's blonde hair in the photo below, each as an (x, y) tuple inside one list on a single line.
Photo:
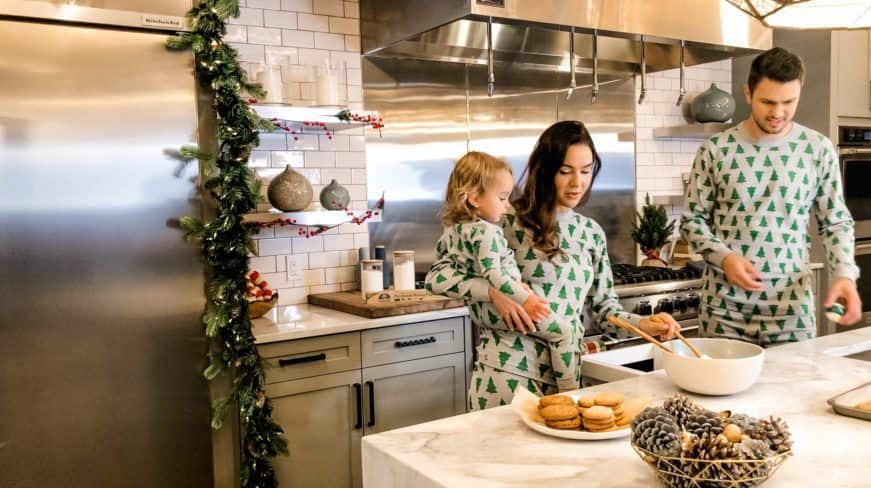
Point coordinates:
[(474, 172)]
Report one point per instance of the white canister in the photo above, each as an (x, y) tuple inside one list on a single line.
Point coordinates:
[(270, 79), (371, 276), (403, 270), (327, 86)]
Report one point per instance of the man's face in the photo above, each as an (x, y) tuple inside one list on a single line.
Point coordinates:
[(773, 104)]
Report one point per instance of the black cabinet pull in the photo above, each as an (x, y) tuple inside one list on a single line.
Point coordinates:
[(304, 359), (358, 390), (371, 385), (416, 342)]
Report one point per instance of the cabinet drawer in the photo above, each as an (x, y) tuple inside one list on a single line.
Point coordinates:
[(413, 341), (311, 357)]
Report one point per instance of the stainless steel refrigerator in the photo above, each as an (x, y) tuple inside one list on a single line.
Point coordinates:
[(101, 349)]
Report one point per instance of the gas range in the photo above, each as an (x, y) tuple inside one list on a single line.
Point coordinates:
[(646, 290)]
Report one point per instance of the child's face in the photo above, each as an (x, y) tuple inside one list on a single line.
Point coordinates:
[(493, 203)]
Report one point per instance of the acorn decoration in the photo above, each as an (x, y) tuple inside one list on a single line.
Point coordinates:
[(690, 446)]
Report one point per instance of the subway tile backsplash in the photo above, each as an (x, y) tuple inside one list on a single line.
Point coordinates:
[(307, 32), (310, 31), (661, 164)]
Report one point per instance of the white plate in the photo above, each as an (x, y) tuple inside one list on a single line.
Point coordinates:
[(525, 404), (579, 435)]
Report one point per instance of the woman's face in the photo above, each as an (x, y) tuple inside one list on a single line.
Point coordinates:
[(573, 178)]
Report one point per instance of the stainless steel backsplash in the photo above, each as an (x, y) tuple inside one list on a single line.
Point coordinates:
[(434, 112)]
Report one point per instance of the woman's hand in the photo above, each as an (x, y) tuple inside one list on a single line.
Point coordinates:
[(516, 318), (537, 308), (661, 324)]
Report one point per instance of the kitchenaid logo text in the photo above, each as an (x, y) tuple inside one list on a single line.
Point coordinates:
[(163, 21)]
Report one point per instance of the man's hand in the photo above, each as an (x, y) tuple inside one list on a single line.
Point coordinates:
[(741, 272), (845, 289)]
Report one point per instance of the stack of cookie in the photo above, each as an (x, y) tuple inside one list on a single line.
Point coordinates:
[(598, 412), (603, 411), (559, 412)]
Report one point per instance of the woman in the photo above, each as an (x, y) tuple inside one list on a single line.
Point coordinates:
[(562, 256)]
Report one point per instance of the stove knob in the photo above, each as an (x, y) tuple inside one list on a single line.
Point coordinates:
[(680, 304), (644, 308), (693, 300), (665, 305)]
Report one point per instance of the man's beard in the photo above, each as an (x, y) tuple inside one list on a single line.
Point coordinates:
[(765, 130)]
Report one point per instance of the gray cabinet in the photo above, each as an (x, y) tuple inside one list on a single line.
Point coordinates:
[(328, 392), (322, 422), (412, 392), (851, 72)]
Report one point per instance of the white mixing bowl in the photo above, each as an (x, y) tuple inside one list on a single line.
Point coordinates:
[(734, 365)]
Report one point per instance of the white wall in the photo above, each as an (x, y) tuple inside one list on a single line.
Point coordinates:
[(307, 32)]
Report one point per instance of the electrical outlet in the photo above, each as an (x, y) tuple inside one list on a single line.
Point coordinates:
[(292, 269)]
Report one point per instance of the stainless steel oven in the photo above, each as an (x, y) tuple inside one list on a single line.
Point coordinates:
[(863, 260), (854, 151)]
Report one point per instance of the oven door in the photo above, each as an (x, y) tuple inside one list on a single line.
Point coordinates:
[(863, 260), (856, 173)]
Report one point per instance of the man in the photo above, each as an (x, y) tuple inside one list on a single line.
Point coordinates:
[(751, 193)]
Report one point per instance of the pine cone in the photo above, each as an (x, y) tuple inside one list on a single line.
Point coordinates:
[(704, 422), (680, 407), (774, 431), (746, 422), (648, 413), (712, 447), (657, 432), (754, 449)]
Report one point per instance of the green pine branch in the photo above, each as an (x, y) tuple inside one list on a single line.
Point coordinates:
[(226, 242)]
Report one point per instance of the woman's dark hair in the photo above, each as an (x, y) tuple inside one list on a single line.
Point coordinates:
[(536, 204), (776, 64)]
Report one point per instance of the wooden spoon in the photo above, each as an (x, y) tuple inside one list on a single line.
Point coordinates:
[(692, 347), (635, 330), (684, 340)]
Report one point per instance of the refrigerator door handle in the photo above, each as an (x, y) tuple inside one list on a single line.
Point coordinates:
[(371, 385)]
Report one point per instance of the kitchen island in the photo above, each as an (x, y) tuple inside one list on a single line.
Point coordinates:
[(493, 448)]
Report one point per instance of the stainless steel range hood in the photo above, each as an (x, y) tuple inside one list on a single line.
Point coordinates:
[(536, 33)]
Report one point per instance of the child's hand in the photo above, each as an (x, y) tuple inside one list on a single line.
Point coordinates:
[(536, 307)]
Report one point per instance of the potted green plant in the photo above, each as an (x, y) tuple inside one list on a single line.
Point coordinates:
[(652, 232)]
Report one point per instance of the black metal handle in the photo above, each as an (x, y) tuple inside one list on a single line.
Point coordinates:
[(304, 359), (358, 390), (371, 385), (416, 342)]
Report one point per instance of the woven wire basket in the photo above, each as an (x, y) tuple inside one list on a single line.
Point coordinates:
[(704, 473)]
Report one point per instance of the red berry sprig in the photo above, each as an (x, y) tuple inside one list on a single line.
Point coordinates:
[(306, 231)]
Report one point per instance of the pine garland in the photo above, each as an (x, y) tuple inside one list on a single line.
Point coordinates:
[(226, 242)]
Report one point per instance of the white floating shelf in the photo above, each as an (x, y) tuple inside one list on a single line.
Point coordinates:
[(316, 218), (690, 131), (299, 115)]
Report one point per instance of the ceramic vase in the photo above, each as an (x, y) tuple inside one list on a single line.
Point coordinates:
[(335, 196), (290, 191), (713, 105)]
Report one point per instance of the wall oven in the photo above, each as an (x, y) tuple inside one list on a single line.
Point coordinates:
[(854, 150)]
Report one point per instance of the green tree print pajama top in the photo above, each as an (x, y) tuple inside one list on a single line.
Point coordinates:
[(756, 199), (579, 277), (479, 249)]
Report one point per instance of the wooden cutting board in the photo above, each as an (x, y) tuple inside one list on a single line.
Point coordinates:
[(352, 302)]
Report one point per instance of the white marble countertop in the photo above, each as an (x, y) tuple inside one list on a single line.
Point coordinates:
[(301, 321), (494, 448)]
